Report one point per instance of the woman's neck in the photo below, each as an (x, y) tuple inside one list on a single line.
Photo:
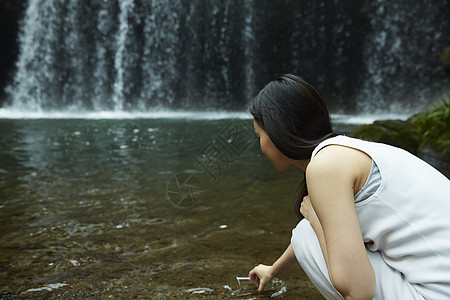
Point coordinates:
[(302, 164)]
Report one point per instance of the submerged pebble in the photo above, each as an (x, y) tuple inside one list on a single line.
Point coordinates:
[(199, 290), (281, 291), (74, 262), (48, 287)]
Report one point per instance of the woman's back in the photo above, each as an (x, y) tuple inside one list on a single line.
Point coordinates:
[(408, 218)]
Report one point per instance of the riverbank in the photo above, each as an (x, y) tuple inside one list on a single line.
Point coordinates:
[(425, 134)]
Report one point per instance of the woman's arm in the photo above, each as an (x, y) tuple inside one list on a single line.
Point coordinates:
[(308, 212), (263, 274), (331, 179)]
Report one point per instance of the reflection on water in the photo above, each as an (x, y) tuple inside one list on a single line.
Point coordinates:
[(85, 212)]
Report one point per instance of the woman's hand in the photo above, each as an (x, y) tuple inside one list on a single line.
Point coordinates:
[(262, 274), (307, 210)]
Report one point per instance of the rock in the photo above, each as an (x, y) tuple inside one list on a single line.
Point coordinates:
[(433, 127), (393, 132), (426, 135)]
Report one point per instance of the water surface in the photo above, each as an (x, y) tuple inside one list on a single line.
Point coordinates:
[(98, 209)]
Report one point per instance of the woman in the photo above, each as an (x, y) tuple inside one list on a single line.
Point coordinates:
[(376, 218)]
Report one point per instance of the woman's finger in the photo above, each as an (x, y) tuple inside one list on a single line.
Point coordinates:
[(253, 276)]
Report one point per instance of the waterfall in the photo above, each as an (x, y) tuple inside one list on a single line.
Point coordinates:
[(137, 55), (126, 8), (402, 51), (37, 78), (248, 38), (104, 52), (159, 52)]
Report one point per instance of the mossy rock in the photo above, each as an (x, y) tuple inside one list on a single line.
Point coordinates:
[(433, 127), (393, 132), (426, 135)]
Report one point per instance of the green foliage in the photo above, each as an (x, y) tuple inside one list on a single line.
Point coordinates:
[(434, 125)]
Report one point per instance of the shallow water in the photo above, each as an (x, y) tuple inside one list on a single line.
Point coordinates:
[(144, 208)]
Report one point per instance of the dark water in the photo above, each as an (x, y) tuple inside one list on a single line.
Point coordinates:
[(85, 210)]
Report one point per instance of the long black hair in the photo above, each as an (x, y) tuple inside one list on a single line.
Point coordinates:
[(295, 118)]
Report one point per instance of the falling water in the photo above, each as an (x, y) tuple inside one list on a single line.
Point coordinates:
[(126, 8), (36, 65), (403, 48), (139, 56), (248, 42)]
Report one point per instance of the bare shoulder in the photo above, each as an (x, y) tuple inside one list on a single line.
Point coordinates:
[(336, 162)]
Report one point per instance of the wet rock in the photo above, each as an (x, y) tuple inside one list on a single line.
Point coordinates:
[(433, 127), (426, 135), (393, 132)]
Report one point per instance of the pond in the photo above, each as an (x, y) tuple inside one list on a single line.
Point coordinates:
[(141, 208)]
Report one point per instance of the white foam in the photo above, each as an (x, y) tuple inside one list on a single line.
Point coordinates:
[(194, 115), (367, 118)]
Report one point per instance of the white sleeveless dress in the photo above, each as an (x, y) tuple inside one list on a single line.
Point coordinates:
[(405, 223)]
